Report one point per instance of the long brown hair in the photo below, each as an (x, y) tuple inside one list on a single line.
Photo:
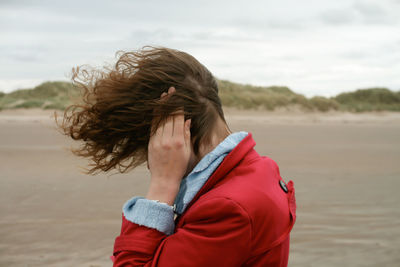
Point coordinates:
[(121, 102)]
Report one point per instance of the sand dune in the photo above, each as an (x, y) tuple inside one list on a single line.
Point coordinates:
[(345, 168)]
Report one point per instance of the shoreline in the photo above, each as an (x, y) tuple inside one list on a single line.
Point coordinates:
[(232, 114)]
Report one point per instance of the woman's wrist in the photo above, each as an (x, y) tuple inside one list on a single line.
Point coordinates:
[(163, 191)]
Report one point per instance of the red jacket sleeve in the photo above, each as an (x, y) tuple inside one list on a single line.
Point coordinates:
[(216, 232)]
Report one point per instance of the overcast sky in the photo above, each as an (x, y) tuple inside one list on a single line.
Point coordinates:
[(315, 47)]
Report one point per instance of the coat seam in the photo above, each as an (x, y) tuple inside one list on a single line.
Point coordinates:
[(248, 218)]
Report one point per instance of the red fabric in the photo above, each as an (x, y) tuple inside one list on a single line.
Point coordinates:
[(240, 217)]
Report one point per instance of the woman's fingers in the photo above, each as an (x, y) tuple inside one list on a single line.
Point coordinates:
[(174, 129), (171, 90), (160, 130), (187, 131), (170, 149), (179, 127), (167, 132), (156, 138), (168, 127)]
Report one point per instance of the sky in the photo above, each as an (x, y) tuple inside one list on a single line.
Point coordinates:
[(315, 47)]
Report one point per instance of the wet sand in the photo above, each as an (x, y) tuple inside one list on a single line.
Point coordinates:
[(345, 168)]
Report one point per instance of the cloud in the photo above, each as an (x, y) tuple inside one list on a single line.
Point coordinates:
[(338, 16), (372, 13), (312, 46), (369, 9), (362, 12)]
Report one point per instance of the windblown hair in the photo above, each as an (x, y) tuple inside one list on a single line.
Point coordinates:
[(121, 102)]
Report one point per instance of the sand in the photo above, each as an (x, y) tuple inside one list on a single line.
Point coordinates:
[(345, 168)]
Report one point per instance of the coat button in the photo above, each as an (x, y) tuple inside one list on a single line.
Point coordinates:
[(283, 186)]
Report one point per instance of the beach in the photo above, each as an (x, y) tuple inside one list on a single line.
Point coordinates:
[(345, 168)]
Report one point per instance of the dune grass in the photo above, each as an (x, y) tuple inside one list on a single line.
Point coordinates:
[(48, 95), (270, 98), (59, 95), (372, 99)]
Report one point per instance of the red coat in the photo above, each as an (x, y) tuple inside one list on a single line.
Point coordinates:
[(242, 216)]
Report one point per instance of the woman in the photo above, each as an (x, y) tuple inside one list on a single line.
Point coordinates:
[(213, 200)]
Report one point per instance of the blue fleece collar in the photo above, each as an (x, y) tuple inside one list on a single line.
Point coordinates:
[(192, 183)]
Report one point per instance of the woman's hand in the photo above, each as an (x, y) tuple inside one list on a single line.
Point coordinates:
[(168, 156)]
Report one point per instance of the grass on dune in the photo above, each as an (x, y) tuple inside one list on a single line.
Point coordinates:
[(59, 95), (373, 99), (48, 95)]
